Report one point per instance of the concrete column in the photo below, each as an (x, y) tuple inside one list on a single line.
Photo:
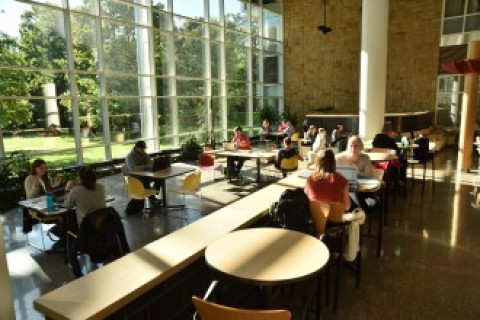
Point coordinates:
[(6, 302), (469, 112), (51, 108), (373, 67)]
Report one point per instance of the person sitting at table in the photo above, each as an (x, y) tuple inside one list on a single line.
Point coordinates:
[(266, 127), (325, 184), (38, 184), (283, 125), (289, 130), (353, 157), (138, 160), (311, 134), (384, 140), (86, 195), (320, 141), (287, 152), (234, 164)]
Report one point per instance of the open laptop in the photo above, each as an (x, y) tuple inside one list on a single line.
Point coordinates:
[(350, 173), (228, 146), (161, 163)]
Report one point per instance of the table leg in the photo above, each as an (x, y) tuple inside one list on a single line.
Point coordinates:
[(380, 225), (258, 170), (164, 193)]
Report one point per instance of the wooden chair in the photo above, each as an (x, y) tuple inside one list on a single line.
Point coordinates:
[(330, 221), (212, 311)]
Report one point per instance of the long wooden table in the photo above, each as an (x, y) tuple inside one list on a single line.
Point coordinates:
[(108, 289)]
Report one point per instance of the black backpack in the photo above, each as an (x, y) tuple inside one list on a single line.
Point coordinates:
[(292, 211)]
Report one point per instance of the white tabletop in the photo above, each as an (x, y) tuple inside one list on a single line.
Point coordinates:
[(251, 154), (267, 255), (175, 169)]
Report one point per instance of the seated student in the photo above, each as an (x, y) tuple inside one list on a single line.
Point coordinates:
[(138, 159), (234, 164), (287, 152), (283, 125), (86, 196), (38, 184), (289, 130), (311, 134), (353, 157), (266, 127), (384, 140), (320, 141), (325, 184)]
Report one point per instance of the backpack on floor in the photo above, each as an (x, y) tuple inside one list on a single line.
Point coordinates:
[(293, 211)]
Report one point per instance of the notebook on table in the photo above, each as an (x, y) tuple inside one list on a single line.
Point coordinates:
[(350, 173)]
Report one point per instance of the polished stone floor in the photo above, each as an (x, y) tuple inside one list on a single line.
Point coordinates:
[(429, 268)]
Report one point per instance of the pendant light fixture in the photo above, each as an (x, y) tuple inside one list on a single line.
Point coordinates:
[(324, 27)]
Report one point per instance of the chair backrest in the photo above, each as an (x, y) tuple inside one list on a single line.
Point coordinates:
[(295, 137), (212, 311), (192, 181), (289, 164), (337, 209), (205, 160), (319, 211), (384, 150), (98, 234), (135, 188)]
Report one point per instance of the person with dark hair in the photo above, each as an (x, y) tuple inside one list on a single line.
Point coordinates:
[(325, 184), (287, 152), (85, 194), (38, 182), (385, 140), (242, 142)]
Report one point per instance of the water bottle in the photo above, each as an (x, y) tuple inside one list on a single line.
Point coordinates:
[(235, 145), (405, 142), (50, 202)]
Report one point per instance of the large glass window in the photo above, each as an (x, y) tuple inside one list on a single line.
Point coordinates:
[(101, 74)]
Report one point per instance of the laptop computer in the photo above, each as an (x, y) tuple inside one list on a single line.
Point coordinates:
[(350, 173), (161, 163), (305, 173), (228, 146)]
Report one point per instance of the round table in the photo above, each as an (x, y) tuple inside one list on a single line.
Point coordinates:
[(267, 256)]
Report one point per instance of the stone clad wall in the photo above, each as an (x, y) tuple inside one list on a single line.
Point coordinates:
[(324, 70)]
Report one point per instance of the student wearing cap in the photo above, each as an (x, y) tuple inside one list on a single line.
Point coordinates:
[(138, 159)]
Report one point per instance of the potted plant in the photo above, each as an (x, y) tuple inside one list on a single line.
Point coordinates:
[(191, 149)]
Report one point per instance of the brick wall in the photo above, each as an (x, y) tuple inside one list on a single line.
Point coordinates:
[(323, 70)]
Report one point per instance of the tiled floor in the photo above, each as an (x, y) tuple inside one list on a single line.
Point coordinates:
[(428, 269)]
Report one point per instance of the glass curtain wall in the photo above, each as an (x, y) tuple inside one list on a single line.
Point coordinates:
[(81, 80)]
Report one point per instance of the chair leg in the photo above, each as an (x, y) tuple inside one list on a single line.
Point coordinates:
[(424, 173)]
